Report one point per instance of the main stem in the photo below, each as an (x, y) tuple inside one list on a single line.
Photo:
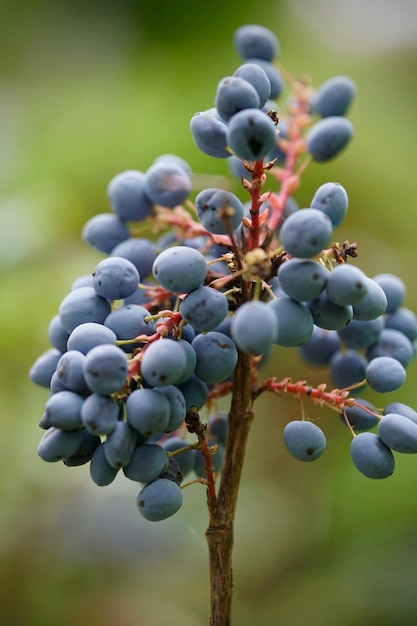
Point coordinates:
[(222, 511)]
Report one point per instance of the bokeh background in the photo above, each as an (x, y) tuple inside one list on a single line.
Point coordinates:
[(88, 89)]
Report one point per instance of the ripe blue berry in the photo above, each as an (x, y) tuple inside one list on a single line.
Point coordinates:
[(328, 137), (306, 232), (159, 499), (371, 456), (252, 134), (304, 440)]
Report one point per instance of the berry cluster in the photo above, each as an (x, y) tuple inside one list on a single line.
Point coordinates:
[(155, 333)]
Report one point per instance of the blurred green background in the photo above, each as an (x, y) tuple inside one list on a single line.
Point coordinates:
[(87, 90)]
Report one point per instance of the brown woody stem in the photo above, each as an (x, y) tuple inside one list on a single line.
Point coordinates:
[(221, 528)]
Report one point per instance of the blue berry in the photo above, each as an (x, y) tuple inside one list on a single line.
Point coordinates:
[(217, 424), (385, 374), (359, 417), (346, 285), (195, 392), (127, 196), (327, 138), (57, 334), (129, 322), (216, 356), (63, 410), (252, 134), (360, 334), (347, 367), (295, 322), (70, 370), (88, 335), (84, 452), (392, 343), (186, 458), (44, 367), (82, 305), (334, 96), (233, 95), (147, 411), (210, 134), (274, 75), (329, 315), (254, 328), (332, 199), (302, 279), (57, 444), (373, 304), (163, 363), (394, 289), (190, 357), (371, 456), (105, 231), (403, 320), (159, 499), (175, 160), (56, 385), (320, 347), (101, 472), (177, 406), (180, 269), (304, 440), (141, 252), (119, 445), (115, 278), (82, 281), (253, 40), (105, 369), (147, 463), (167, 183), (401, 409), (99, 414), (306, 232), (258, 78), (219, 211), (204, 308), (398, 433)]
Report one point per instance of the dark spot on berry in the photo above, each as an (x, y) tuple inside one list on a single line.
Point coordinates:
[(310, 451), (255, 145)]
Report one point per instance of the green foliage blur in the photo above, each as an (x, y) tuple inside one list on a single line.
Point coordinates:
[(87, 90)]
